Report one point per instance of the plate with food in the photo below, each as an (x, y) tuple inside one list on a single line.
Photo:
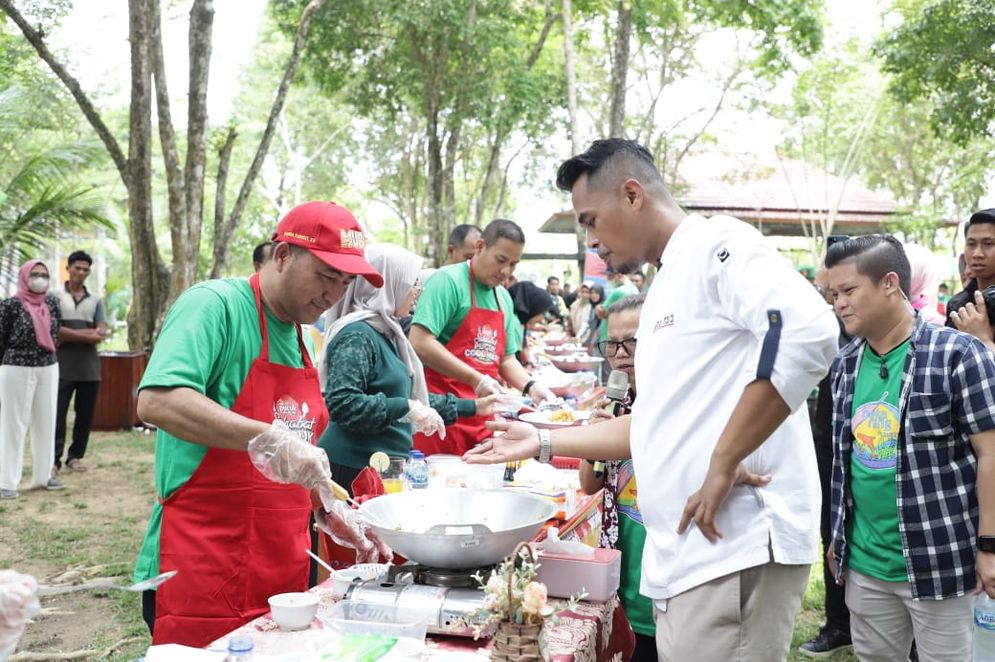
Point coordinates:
[(558, 418)]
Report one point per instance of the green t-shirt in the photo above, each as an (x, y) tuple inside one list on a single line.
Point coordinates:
[(445, 301), (875, 544), (618, 293), (208, 343), (631, 538)]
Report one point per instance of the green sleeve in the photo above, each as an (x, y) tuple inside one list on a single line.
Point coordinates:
[(193, 337), (450, 407), (351, 361), (438, 303), (512, 327)]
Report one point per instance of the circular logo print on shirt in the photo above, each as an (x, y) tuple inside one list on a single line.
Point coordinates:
[(875, 435)]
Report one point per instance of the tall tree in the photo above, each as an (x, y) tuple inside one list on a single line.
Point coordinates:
[(155, 284), (943, 51)]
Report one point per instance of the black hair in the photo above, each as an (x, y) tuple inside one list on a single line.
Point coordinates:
[(257, 252), (551, 279), (460, 232), (875, 256), (606, 157), (600, 290), (79, 256), (631, 302), (501, 228), (980, 217)]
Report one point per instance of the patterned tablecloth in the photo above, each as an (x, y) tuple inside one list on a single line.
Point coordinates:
[(593, 632)]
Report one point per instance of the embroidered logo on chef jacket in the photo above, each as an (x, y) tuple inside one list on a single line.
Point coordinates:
[(484, 345), (295, 416), (664, 322)]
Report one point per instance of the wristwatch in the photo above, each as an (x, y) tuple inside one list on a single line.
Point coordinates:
[(986, 544), (545, 447)]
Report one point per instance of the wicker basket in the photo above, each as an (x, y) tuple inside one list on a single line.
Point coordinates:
[(513, 642)]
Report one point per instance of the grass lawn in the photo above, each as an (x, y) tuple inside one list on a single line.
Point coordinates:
[(95, 527)]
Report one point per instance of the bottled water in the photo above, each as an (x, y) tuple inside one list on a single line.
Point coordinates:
[(239, 649), (984, 629), (416, 471)]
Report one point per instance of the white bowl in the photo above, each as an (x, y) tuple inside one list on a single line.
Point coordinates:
[(341, 579), (293, 611)]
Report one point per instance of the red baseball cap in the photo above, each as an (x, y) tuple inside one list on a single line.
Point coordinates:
[(332, 234)]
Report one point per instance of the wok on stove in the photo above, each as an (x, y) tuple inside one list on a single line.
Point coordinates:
[(457, 528)]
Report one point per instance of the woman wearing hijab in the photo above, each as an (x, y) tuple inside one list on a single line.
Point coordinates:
[(580, 311), (924, 284), (593, 321), (374, 382), (29, 380), (531, 305)]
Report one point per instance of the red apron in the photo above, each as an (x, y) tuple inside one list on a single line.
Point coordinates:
[(235, 536), (479, 342)]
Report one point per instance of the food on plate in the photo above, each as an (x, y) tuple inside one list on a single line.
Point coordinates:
[(562, 416)]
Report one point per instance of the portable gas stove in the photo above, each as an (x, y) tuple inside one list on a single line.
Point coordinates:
[(451, 601)]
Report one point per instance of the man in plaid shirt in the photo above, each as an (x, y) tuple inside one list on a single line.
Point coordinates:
[(913, 491)]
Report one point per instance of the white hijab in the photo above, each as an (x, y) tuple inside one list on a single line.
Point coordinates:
[(363, 302)]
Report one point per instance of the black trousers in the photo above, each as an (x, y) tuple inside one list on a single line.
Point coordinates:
[(148, 609), (837, 614), (86, 403), (645, 650)]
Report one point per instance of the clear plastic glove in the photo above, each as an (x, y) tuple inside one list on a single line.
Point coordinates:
[(347, 528), (283, 457), (487, 386), (424, 419), (18, 603), (540, 394)]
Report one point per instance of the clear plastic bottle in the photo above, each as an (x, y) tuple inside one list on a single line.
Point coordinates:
[(239, 649), (416, 471), (984, 629)]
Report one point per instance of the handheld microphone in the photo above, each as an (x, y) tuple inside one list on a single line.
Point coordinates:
[(618, 387)]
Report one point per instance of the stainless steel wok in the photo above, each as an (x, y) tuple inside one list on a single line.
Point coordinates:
[(457, 528)]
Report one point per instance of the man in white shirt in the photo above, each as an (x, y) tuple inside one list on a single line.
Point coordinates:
[(731, 342)]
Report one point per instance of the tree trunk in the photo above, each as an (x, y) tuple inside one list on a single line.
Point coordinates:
[(571, 75), (149, 276), (436, 224), (620, 68)]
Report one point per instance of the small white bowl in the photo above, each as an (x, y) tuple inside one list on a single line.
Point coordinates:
[(293, 611)]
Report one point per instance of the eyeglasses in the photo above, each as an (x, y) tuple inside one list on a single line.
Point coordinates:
[(610, 347)]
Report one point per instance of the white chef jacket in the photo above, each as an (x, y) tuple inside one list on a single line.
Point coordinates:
[(701, 335)]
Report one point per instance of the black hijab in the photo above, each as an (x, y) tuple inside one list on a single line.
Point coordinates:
[(530, 300)]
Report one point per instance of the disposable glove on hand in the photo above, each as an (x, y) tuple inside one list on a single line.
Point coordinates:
[(424, 419), (540, 394), (18, 603), (283, 457), (347, 528), (487, 386)]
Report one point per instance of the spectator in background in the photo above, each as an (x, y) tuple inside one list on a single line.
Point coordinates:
[(923, 286), (29, 380), (261, 254), (979, 252), (580, 311), (965, 271), (638, 280), (621, 288), (942, 296), (568, 294), (462, 243), (593, 335), (83, 327), (532, 304), (559, 308)]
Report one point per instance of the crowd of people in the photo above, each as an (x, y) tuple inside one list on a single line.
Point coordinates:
[(725, 347), (48, 358)]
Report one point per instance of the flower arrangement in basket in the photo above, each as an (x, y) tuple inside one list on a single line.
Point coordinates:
[(518, 605)]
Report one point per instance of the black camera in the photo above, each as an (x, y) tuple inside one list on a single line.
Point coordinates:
[(989, 294)]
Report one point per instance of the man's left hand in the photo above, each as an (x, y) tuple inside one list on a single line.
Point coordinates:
[(703, 505), (984, 567)]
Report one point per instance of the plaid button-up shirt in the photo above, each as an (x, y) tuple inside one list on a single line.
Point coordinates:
[(947, 394)]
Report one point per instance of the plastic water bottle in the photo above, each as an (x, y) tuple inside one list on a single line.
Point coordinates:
[(984, 629), (416, 471), (239, 649)]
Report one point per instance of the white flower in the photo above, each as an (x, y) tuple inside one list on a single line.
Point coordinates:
[(534, 598)]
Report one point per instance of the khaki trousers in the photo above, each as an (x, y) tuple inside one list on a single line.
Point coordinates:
[(884, 618), (747, 616)]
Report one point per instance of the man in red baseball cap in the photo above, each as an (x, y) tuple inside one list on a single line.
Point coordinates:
[(232, 388)]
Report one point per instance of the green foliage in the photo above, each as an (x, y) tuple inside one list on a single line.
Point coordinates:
[(943, 52)]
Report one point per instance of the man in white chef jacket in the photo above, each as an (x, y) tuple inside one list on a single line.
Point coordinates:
[(731, 342)]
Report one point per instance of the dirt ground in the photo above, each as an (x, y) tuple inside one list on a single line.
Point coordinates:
[(91, 529)]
